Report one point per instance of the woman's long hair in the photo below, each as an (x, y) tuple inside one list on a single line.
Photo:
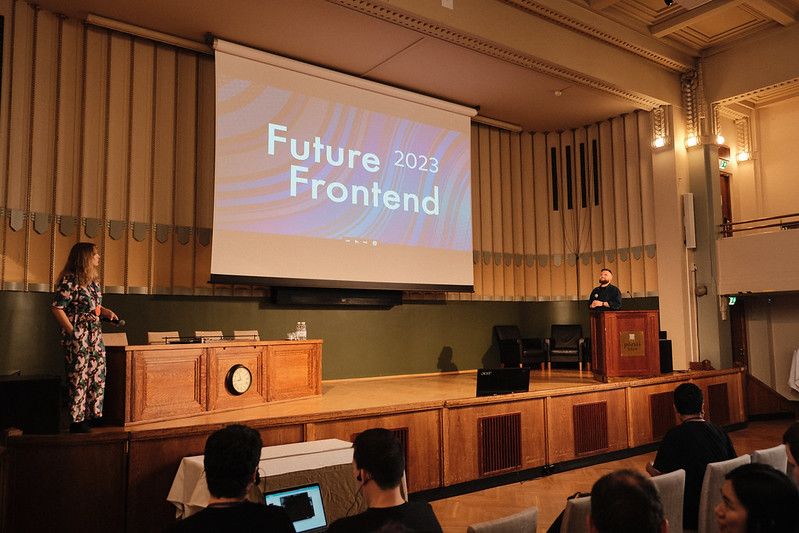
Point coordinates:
[(80, 264), (769, 496)]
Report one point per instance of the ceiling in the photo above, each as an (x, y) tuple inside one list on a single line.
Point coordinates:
[(333, 35), (698, 25)]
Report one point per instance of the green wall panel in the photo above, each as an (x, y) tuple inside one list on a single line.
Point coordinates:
[(407, 339)]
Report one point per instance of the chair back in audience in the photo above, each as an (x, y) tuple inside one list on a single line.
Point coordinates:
[(159, 337), (671, 489), (115, 339), (523, 522), (711, 491), (575, 517), (776, 457), (246, 334)]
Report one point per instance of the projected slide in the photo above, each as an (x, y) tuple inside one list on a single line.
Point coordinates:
[(318, 179)]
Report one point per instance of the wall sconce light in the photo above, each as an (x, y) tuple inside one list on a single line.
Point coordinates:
[(692, 141), (719, 139), (743, 140), (661, 127), (659, 142)]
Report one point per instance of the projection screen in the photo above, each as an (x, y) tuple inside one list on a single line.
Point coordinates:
[(324, 179)]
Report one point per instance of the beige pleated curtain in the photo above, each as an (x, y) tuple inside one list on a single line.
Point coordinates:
[(108, 138)]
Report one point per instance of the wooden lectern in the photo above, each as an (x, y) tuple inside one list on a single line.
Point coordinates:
[(624, 344)]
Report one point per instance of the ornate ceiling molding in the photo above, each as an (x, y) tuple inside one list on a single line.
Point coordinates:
[(729, 113), (555, 17), (778, 91), (490, 48)]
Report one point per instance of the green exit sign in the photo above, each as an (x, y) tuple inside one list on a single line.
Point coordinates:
[(723, 163)]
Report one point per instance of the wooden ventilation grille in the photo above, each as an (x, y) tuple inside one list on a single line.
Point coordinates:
[(402, 436), (590, 427), (718, 404), (500, 440), (661, 408)]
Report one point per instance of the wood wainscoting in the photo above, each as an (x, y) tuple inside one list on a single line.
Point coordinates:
[(472, 448), (117, 478)]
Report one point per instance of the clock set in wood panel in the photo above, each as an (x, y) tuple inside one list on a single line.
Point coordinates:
[(162, 382)]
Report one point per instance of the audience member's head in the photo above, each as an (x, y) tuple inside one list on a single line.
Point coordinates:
[(688, 399), (759, 499), (791, 440), (231, 460), (378, 453), (626, 501)]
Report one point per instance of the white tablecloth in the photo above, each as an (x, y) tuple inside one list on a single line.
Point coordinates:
[(793, 378), (189, 492)]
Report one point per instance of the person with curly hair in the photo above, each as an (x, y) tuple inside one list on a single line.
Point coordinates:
[(77, 306)]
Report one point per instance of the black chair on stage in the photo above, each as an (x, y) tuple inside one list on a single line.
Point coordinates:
[(515, 351), (567, 345)]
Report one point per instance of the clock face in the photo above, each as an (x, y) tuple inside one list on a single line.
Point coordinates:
[(238, 379)]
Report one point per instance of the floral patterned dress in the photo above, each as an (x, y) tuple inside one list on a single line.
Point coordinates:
[(83, 348)]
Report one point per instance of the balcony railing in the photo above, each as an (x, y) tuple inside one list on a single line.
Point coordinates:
[(761, 225)]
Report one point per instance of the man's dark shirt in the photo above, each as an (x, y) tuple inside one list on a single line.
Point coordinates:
[(609, 293), (691, 446), (414, 516), (243, 516)]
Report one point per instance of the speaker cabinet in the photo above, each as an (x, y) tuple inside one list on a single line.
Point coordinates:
[(666, 364)]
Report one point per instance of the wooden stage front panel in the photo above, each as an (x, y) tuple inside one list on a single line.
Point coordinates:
[(579, 425), (419, 430), (450, 435), (492, 439)]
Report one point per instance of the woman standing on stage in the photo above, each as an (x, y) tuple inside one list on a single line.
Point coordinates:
[(77, 308)]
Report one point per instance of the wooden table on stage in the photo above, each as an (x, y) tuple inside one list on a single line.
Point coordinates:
[(170, 381)]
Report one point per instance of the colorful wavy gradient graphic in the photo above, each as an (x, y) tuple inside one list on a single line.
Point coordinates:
[(253, 188)]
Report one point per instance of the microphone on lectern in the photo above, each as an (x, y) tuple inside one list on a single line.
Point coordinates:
[(118, 322)]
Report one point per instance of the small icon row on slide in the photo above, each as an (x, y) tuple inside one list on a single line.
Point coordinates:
[(361, 241)]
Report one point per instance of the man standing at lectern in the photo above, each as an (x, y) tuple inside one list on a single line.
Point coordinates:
[(605, 296)]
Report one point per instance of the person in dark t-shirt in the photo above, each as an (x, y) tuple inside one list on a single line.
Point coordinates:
[(378, 465), (231, 469), (692, 445), (605, 296)]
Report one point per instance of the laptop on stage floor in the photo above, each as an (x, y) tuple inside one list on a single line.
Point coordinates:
[(491, 381)]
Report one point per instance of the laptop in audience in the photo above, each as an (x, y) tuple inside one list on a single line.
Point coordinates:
[(303, 505)]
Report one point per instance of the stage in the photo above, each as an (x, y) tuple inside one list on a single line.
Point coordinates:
[(382, 395), (451, 437)]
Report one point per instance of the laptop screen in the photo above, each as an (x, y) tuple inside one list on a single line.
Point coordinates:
[(491, 381), (303, 505)]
